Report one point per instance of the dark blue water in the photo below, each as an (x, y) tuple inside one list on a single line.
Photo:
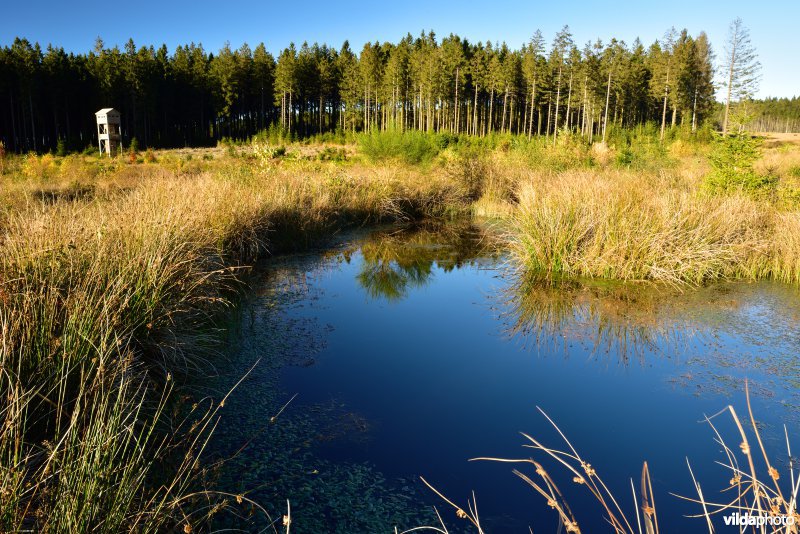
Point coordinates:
[(412, 351)]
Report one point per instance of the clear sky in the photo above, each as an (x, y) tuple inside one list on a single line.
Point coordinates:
[(75, 25)]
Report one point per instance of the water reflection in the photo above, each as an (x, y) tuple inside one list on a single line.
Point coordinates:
[(746, 329), (628, 320), (618, 321), (395, 261)]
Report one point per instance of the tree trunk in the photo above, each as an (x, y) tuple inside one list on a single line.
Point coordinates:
[(585, 104), (525, 118), (33, 124), (13, 121), (558, 97), (455, 111), (475, 112), (730, 81), (491, 105), (569, 101), (530, 119), (503, 120), (547, 127), (539, 122), (511, 115), (664, 111), (608, 99)]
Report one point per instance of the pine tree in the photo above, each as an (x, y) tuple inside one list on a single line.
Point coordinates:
[(285, 83), (742, 69)]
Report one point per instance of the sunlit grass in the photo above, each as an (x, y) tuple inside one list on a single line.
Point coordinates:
[(628, 226)]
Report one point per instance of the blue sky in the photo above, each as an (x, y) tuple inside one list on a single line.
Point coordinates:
[(75, 25)]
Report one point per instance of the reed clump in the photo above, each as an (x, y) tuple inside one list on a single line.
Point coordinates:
[(622, 226)]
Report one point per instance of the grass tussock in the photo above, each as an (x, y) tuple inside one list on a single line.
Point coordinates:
[(624, 226), (730, 215)]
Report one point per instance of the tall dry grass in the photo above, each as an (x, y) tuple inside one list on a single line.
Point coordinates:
[(628, 226)]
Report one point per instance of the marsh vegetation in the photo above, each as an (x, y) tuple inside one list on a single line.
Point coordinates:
[(117, 277)]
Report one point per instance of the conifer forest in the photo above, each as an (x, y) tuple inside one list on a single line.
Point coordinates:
[(193, 97)]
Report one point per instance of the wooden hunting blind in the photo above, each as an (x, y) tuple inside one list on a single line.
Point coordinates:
[(108, 132)]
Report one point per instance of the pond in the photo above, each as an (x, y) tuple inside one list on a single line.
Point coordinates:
[(404, 352)]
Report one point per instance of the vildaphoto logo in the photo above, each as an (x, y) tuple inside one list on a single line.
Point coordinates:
[(747, 520)]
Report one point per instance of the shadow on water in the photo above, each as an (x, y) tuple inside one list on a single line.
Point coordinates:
[(414, 348), (269, 460)]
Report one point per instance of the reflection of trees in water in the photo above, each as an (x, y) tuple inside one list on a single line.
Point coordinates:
[(396, 261), (726, 331)]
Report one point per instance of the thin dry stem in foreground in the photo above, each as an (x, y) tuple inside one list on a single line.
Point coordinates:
[(755, 492)]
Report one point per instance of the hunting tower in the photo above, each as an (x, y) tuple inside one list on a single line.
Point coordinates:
[(108, 132)]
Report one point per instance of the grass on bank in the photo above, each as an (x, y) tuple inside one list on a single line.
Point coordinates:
[(690, 225)]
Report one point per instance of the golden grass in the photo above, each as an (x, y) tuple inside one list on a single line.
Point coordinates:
[(624, 225), (756, 487)]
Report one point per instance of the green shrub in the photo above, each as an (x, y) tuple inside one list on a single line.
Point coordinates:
[(625, 157), (333, 154), (470, 170), (274, 135), (61, 147), (265, 153), (732, 161), (411, 147)]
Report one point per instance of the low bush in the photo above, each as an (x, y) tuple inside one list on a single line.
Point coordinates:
[(333, 154), (411, 147)]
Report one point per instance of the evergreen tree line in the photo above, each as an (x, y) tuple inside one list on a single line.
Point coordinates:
[(192, 97), (773, 115)]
